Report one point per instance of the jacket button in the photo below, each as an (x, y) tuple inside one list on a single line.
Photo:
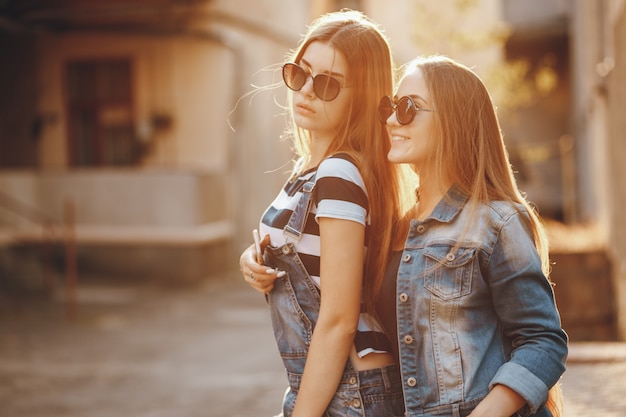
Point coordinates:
[(408, 339), (352, 380), (421, 228), (404, 297), (450, 257), (356, 403), (411, 382), (406, 258), (285, 250)]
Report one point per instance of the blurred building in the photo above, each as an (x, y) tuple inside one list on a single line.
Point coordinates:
[(121, 111), (139, 124)]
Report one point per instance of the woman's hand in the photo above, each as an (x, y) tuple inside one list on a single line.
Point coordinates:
[(257, 275)]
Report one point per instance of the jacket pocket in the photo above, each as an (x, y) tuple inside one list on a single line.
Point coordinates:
[(448, 273)]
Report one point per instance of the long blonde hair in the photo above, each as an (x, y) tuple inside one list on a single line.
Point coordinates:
[(470, 150), (366, 51)]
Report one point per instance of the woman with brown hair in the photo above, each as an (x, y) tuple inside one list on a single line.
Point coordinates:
[(333, 220)]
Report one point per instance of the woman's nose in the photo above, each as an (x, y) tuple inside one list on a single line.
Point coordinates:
[(307, 88), (392, 120)]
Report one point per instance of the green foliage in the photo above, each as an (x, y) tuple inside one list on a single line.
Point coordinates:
[(470, 30)]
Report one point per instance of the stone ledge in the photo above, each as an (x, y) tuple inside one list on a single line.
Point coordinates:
[(127, 235), (596, 352)]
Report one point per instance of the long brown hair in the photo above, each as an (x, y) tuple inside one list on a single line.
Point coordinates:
[(470, 151), (367, 53)]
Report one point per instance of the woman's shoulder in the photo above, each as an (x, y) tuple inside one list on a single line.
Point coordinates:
[(499, 213), (338, 165), (504, 209), (474, 208), (341, 157)]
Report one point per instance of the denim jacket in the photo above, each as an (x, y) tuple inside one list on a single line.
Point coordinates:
[(479, 315)]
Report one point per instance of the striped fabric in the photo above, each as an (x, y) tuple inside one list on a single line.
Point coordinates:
[(339, 193)]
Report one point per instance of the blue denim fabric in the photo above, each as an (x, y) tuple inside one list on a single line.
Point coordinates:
[(477, 314), (375, 392), (294, 306)]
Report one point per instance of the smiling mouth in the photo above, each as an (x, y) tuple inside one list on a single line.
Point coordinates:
[(397, 138)]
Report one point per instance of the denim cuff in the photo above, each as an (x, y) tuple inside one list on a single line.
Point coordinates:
[(522, 381)]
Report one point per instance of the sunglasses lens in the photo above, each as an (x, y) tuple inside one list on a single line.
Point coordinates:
[(385, 109), (294, 76), (326, 87), (405, 112)]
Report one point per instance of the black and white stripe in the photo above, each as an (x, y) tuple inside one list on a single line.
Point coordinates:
[(339, 193)]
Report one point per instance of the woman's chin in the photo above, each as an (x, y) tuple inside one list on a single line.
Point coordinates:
[(396, 157)]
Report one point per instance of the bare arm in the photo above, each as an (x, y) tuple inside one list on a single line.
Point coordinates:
[(501, 401), (341, 272)]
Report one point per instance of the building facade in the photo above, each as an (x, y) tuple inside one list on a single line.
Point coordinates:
[(159, 123)]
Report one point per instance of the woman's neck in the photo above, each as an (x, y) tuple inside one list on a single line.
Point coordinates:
[(430, 192), (319, 146)]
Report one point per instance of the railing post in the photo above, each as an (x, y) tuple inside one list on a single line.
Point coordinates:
[(70, 261), (47, 245)]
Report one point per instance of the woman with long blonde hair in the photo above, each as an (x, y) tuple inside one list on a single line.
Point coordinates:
[(477, 328)]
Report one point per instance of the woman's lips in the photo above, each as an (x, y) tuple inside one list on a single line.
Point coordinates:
[(303, 108)]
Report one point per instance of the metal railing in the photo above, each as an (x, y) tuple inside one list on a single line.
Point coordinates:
[(48, 232)]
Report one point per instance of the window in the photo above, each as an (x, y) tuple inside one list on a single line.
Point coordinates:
[(100, 113)]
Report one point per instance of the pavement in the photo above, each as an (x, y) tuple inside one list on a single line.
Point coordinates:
[(138, 350)]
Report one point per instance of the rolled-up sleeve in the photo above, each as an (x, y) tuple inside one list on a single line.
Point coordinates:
[(524, 302)]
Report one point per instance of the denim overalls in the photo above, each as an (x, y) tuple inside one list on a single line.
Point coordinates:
[(294, 306)]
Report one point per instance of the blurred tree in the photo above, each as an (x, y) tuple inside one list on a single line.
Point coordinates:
[(473, 32)]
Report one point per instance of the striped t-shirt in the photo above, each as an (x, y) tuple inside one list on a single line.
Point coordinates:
[(339, 193)]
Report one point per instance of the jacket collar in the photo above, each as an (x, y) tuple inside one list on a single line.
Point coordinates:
[(449, 206)]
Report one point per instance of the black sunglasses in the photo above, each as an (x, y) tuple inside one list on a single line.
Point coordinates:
[(326, 87), (405, 109)]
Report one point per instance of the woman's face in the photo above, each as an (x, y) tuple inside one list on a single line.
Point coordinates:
[(413, 143), (321, 118)]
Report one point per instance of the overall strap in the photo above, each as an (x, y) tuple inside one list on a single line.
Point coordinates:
[(295, 226)]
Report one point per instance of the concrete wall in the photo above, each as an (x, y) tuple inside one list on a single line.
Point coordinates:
[(123, 198), (585, 295), (589, 111), (616, 90), (261, 34), (139, 224)]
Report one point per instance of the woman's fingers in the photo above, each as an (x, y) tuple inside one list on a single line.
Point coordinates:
[(258, 276)]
